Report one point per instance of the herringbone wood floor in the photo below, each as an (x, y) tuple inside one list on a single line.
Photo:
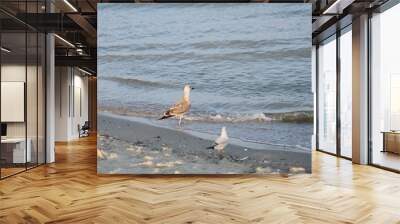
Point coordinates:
[(70, 191)]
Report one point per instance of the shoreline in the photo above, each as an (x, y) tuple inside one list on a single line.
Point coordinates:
[(249, 143), (128, 146), (302, 116)]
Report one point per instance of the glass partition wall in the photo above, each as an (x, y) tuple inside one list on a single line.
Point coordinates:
[(326, 54), (13, 89), (22, 107), (334, 95), (345, 61), (334, 105), (385, 89)]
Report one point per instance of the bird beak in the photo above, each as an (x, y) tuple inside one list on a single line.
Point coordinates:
[(192, 88)]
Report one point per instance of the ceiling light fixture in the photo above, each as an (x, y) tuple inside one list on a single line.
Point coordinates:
[(79, 51), (70, 5), (84, 71), (64, 40), (337, 7), (5, 50), (333, 6)]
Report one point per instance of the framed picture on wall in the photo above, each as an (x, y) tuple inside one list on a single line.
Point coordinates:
[(204, 88)]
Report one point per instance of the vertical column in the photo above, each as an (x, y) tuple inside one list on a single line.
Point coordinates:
[(92, 101), (360, 90), (314, 91), (50, 99), (338, 91), (50, 92)]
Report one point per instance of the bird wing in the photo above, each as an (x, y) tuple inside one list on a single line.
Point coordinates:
[(179, 108)]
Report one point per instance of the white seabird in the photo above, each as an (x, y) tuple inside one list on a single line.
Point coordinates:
[(180, 108), (221, 142)]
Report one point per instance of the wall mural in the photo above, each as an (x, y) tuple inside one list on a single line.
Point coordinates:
[(204, 88)]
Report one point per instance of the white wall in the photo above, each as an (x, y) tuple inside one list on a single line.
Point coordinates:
[(80, 104), (17, 73), (62, 81), (314, 91), (12, 73), (71, 87)]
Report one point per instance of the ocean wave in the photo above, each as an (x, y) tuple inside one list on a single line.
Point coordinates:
[(136, 82), (295, 117), (238, 55), (290, 117), (232, 44), (261, 117)]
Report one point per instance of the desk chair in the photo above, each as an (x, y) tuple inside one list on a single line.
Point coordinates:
[(84, 130)]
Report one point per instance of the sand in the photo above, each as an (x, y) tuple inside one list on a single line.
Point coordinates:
[(128, 146)]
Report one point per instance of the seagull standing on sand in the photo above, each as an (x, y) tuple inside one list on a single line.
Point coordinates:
[(221, 142), (182, 107)]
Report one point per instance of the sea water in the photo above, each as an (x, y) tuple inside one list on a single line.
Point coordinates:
[(249, 64)]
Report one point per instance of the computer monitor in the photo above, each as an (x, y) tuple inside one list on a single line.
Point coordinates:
[(3, 129)]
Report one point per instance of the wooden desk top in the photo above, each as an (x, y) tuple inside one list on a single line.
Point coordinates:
[(13, 140), (391, 132)]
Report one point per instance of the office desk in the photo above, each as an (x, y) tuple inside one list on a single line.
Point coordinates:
[(391, 141), (17, 150)]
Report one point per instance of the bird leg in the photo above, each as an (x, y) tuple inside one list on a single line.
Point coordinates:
[(180, 120)]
